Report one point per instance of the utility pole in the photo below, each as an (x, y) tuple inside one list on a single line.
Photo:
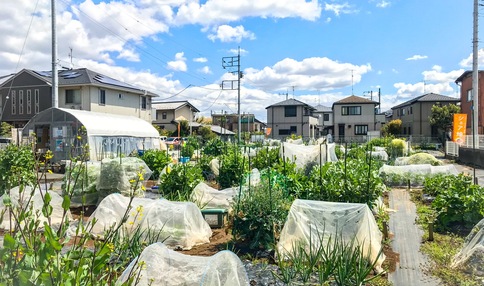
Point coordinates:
[(55, 84), (232, 64), (475, 82)]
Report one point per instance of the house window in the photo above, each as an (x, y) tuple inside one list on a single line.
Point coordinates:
[(361, 129), (351, 110), (163, 115), (404, 130), (411, 110), (29, 101), (291, 130), (403, 111), (102, 97), (290, 111), (325, 117), (143, 102), (73, 96), (20, 102), (409, 131), (14, 102), (120, 96), (469, 94), (37, 101)]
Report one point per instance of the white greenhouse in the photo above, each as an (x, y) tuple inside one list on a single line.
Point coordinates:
[(67, 131)]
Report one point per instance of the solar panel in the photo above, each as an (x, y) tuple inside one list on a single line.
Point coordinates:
[(69, 75), (112, 81), (44, 73)]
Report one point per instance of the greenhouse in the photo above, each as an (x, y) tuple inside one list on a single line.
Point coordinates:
[(67, 131)]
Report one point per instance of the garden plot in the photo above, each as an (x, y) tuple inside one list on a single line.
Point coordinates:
[(471, 256), (30, 197), (316, 222), (413, 174), (161, 266), (180, 224)]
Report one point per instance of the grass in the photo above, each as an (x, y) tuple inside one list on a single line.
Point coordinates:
[(442, 249)]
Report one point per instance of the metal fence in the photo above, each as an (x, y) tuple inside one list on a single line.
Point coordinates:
[(452, 148), (469, 143)]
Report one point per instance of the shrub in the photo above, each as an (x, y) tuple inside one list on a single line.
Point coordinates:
[(18, 166), (232, 168), (260, 213), (189, 147), (396, 148), (214, 147), (423, 158), (178, 181), (156, 160), (266, 157)]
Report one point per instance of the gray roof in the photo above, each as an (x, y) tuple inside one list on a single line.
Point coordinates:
[(354, 99), (290, 102), (322, 108), (429, 97), (221, 131), (84, 76), (173, 105)]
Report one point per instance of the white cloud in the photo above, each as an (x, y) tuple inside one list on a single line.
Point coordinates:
[(339, 9), (200, 60), (236, 51), (467, 62), (129, 55), (416, 57), (383, 4), (214, 12), (205, 70), (328, 20), (179, 64), (226, 33), (309, 74)]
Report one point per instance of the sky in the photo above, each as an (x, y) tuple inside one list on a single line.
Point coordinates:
[(315, 51)]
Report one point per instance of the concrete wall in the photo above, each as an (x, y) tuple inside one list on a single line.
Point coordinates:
[(473, 157)]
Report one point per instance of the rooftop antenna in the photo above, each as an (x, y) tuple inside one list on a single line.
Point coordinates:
[(425, 83)]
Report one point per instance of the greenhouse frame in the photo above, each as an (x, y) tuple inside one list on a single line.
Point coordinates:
[(67, 131)]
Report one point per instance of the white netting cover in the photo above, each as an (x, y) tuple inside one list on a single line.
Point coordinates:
[(81, 179), (180, 223), (418, 159), (166, 267), (215, 166), (379, 148), (382, 155), (210, 198), (309, 220), (117, 173), (302, 154), (415, 174), (253, 179), (295, 141), (18, 198), (471, 256)]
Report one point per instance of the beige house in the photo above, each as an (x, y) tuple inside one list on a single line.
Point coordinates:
[(353, 117), (415, 114), (29, 92), (289, 117), (325, 119), (168, 114)]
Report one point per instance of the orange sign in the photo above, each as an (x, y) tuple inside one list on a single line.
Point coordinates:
[(459, 132), (268, 131)]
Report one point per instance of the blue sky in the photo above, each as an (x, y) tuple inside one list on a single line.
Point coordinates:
[(315, 51)]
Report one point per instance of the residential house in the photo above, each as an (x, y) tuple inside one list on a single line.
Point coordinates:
[(29, 92), (230, 121), (169, 114), (415, 114), (466, 100), (354, 116), (291, 116), (325, 119)]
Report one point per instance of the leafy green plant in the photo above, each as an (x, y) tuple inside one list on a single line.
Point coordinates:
[(189, 147), (214, 147), (266, 158), (233, 166), (260, 213), (156, 160), (177, 183), (18, 166), (53, 256)]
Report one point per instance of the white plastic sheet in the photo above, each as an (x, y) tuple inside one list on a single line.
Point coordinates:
[(471, 256), (309, 220), (210, 198), (162, 266), (180, 223)]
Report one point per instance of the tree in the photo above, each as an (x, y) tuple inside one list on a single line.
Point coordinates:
[(206, 133), (393, 127), (442, 117)]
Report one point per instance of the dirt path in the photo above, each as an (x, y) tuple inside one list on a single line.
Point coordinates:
[(406, 241)]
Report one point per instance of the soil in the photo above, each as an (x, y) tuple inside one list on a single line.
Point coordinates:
[(219, 241)]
